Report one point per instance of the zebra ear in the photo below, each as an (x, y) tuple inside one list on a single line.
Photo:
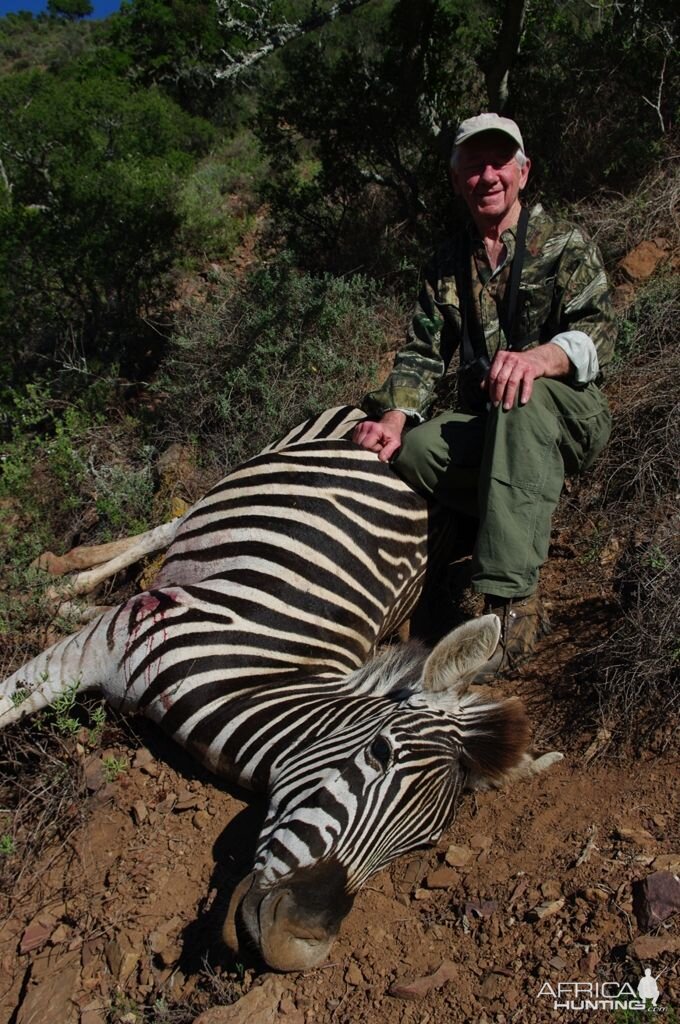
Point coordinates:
[(462, 651)]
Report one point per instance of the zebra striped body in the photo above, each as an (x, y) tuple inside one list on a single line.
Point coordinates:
[(255, 650)]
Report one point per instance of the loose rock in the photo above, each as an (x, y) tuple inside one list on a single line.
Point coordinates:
[(458, 856), (35, 936), (546, 909), (442, 878), (259, 1006), (353, 975), (655, 898), (139, 812), (419, 987)]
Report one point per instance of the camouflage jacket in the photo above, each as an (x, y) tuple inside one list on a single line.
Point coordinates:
[(563, 287)]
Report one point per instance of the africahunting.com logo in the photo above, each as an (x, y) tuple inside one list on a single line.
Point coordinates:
[(603, 995)]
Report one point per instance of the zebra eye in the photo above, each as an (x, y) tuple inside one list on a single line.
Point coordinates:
[(380, 753)]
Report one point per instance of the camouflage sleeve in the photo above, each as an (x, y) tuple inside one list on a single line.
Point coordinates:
[(586, 299), (432, 337)]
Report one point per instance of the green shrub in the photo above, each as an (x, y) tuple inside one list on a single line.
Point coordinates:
[(265, 353), (69, 475), (219, 198), (89, 214)]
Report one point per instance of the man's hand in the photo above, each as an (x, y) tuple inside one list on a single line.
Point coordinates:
[(511, 371), (383, 437)]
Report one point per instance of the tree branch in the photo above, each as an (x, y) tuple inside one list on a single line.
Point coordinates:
[(272, 37), (507, 47)]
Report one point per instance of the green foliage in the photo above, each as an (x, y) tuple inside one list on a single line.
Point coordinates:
[(357, 123), (89, 215), (174, 44), (7, 847), (61, 711), (352, 128), (68, 473), (113, 767), (586, 90), (98, 721), (266, 353), (43, 42), (649, 323), (219, 198), (69, 9)]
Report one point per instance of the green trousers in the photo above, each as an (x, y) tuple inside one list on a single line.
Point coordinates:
[(507, 469)]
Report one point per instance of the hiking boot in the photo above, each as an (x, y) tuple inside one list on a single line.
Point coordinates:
[(523, 620)]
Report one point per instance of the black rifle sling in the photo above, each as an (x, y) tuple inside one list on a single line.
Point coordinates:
[(509, 306), (508, 321)]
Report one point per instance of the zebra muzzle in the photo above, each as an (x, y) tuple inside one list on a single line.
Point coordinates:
[(288, 936), (229, 933)]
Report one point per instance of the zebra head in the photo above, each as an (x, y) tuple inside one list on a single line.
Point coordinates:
[(383, 781)]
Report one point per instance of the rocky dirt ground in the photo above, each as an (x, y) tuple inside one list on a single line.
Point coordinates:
[(532, 884)]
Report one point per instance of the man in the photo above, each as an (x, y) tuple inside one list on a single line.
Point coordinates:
[(532, 347)]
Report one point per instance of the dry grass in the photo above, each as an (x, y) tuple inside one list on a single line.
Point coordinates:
[(620, 222), (42, 804), (633, 497)]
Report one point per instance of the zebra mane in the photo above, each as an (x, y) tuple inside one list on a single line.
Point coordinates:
[(394, 672)]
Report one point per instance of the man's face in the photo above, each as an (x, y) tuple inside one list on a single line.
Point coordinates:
[(489, 178)]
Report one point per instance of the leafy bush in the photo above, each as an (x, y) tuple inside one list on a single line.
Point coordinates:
[(69, 476), (88, 214), (219, 198), (267, 352)]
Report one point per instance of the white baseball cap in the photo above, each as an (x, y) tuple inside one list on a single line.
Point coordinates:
[(488, 123)]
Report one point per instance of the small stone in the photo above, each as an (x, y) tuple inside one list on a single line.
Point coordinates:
[(187, 800), (35, 936), (121, 958), (93, 1013), (419, 987), (558, 963), (422, 894), (412, 874), (649, 947), (353, 975), (142, 758), (258, 1006), (638, 836), (595, 895), (642, 261), (139, 812), (458, 856), (588, 963), (94, 772), (551, 890), (668, 862), (546, 909), (480, 842), (480, 908), (167, 804), (655, 898), (442, 878), (201, 819), (493, 986), (60, 934)]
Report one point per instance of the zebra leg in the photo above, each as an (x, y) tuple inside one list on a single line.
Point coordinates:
[(118, 555), (78, 663)]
